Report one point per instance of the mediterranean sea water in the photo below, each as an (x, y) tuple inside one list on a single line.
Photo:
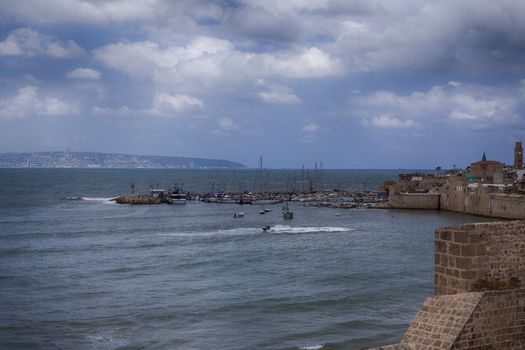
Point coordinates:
[(79, 272)]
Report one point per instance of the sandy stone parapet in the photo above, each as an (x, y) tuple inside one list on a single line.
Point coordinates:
[(480, 257), (480, 295)]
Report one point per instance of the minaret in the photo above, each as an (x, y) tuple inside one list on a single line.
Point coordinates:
[(518, 155)]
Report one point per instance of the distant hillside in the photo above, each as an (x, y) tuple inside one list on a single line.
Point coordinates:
[(108, 160)]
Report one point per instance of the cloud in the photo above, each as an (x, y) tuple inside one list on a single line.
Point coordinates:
[(83, 73), (446, 35), (27, 42), (277, 94), (310, 128), (29, 103), (207, 59), (226, 126), (163, 105), (386, 121), (472, 106), (84, 11)]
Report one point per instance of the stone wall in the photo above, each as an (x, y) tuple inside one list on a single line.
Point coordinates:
[(479, 256), (468, 321), (414, 201), (440, 320), (469, 311), (453, 194), (498, 323), (486, 201)]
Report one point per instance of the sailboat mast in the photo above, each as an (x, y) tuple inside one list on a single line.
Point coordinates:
[(303, 180), (321, 176)]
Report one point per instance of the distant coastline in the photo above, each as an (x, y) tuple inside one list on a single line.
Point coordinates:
[(98, 160)]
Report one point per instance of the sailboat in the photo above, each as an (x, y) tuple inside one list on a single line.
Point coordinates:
[(287, 213), (262, 199)]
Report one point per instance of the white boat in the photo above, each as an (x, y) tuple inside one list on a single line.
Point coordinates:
[(176, 195), (238, 215), (287, 213)]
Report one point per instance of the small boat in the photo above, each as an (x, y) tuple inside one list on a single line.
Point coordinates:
[(238, 215), (177, 195), (266, 228), (267, 210), (262, 212), (287, 213)]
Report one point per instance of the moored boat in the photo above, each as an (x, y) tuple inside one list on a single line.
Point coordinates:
[(177, 195)]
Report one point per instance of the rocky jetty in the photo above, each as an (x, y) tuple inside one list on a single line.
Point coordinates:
[(140, 199)]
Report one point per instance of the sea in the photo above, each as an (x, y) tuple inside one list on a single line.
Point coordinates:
[(80, 272)]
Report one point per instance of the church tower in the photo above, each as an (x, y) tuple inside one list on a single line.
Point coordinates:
[(518, 155)]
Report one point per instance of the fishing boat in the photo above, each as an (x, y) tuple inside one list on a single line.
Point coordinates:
[(177, 195), (287, 213), (238, 215)]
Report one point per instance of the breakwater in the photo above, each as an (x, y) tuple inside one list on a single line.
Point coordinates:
[(345, 199)]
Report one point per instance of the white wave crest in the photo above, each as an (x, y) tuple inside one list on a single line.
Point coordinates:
[(229, 232), (313, 347), (108, 200), (307, 229), (257, 230)]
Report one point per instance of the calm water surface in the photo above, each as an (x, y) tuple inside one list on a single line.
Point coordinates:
[(88, 274)]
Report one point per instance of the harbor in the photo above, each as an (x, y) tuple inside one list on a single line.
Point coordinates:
[(339, 199)]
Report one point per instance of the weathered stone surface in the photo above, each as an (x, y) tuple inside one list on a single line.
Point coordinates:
[(454, 194), (466, 313), (479, 257), (498, 322), (414, 201), (394, 347)]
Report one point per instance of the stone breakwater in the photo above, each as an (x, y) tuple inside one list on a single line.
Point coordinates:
[(139, 199), (469, 258), (344, 199)]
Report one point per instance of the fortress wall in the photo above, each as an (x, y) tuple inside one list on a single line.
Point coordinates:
[(498, 322), (466, 314), (482, 201), (440, 321), (507, 206), (414, 200), (479, 256), (468, 321)]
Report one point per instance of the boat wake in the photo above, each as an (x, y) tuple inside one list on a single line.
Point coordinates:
[(257, 230), (229, 232), (307, 229)]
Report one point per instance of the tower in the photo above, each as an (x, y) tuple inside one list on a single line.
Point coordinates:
[(518, 155)]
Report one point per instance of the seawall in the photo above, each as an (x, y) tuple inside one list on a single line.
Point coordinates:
[(479, 300), (455, 195)]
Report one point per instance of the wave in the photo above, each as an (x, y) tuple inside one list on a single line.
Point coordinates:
[(307, 229), (258, 230), (228, 232), (312, 347), (99, 199), (106, 200)]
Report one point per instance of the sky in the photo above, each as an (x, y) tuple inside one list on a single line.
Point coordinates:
[(352, 83)]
